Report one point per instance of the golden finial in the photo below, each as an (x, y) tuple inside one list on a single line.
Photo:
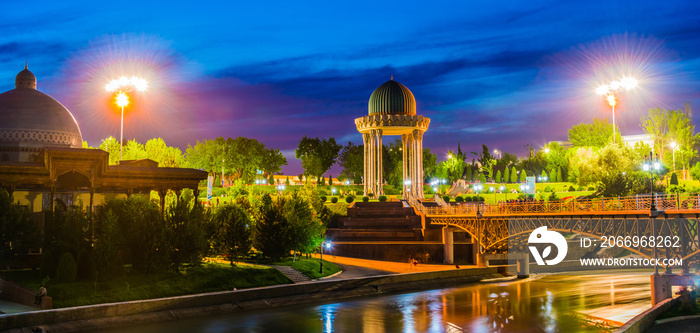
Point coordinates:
[(392, 78), (26, 64)]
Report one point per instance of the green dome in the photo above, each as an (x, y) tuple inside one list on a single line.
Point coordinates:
[(392, 98)]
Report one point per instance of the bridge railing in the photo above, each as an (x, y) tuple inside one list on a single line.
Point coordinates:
[(666, 202)]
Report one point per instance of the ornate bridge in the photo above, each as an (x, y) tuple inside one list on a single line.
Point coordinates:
[(627, 219)]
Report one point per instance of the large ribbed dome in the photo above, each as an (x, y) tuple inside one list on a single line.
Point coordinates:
[(392, 98), (29, 117)]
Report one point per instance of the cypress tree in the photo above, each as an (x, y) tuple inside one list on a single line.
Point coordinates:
[(330, 180), (498, 177), (469, 174), (553, 176), (513, 176), (523, 176), (543, 174), (482, 178), (288, 183), (506, 176), (674, 179), (322, 181), (559, 177)]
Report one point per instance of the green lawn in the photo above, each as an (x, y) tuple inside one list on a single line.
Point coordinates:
[(310, 267), (206, 278)]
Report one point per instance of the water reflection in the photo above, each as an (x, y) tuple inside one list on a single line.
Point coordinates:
[(556, 303)]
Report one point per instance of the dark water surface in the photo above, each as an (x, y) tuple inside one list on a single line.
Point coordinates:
[(552, 303)]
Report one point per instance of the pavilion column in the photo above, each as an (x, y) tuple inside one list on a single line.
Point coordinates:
[(195, 191), (380, 166), (161, 194), (419, 153), (53, 197), (404, 139), (415, 181), (409, 163), (372, 162), (365, 178)]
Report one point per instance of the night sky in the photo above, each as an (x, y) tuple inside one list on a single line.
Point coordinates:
[(506, 74)]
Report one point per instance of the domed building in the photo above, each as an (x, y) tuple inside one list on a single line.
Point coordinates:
[(42, 161), (31, 120), (392, 111)]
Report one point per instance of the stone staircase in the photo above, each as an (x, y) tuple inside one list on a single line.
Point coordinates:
[(377, 221), (291, 273)]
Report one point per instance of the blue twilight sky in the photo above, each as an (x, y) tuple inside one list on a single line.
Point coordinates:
[(505, 73)]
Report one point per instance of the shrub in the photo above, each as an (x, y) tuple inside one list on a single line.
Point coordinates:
[(459, 199), (446, 198), (553, 196), (67, 270), (674, 179), (334, 199), (358, 192), (572, 188), (349, 199), (590, 188), (476, 198), (85, 266), (322, 192), (323, 198), (370, 194), (580, 188), (382, 198), (468, 199), (548, 189), (365, 199)]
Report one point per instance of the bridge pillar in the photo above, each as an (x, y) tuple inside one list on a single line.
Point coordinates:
[(523, 266), (660, 288), (448, 245)]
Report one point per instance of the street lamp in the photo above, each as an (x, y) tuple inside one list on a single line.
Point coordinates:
[(327, 245), (122, 86), (650, 165), (626, 83), (675, 146), (497, 152), (502, 189)]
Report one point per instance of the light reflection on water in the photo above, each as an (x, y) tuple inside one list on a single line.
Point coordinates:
[(555, 303)]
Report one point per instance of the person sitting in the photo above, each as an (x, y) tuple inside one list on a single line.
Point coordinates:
[(40, 295)]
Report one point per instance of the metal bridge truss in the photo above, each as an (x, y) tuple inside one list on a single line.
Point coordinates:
[(493, 233)]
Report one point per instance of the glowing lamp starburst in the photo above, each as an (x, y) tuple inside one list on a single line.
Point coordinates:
[(125, 83), (611, 100), (122, 99)]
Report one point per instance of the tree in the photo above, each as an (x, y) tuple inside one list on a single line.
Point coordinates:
[(287, 182), (553, 176), (559, 176), (317, 155), (666, 127), (523, 175), (185, 223), (469, 175), (112, 146), (506, 175), (429, 163), (272, 161), (134, 151), (513, 175), (234, 236), (498, 177), (596, 134), (322, 181), (351, 160), (166, 156), (207, 155), (330, 180)]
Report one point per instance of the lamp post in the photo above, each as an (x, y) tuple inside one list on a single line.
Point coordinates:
[(503, 188), (122, 101), (675, 146), (327, 245), (626, 83), (651, 165), (478, 187)]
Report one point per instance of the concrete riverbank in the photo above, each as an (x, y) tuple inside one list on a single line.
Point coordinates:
[(103, 316)]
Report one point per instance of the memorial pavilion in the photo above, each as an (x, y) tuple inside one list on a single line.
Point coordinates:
[(392, 111)]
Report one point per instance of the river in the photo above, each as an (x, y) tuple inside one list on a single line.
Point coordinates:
[(548, 303)]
